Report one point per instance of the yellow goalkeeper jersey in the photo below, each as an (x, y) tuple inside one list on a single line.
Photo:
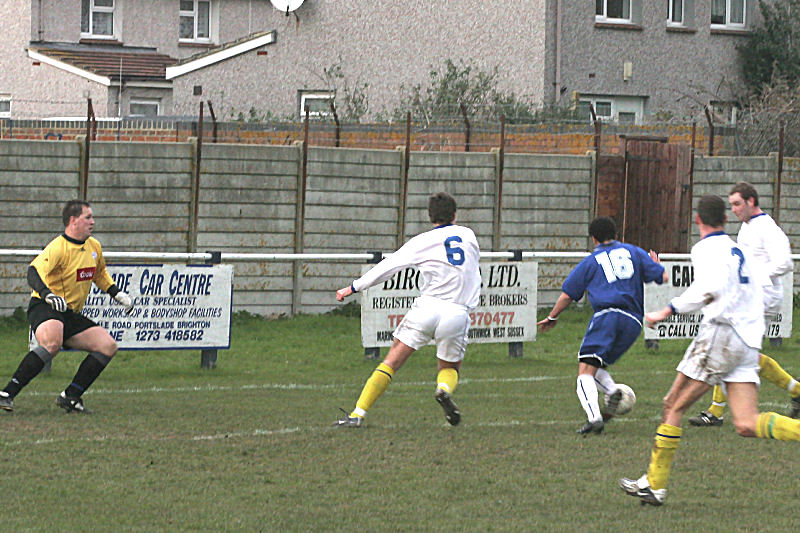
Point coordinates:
[(68, 268)]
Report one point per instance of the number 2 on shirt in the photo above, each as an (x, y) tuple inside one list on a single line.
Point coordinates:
[(738, 253), (616, 264), (455, 255)]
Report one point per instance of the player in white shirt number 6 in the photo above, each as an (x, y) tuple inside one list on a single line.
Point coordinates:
[(447, 258)]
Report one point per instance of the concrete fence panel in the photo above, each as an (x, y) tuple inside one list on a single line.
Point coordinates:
[(248, 198)]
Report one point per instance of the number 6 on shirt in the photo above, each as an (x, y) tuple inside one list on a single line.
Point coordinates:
[(455, 255)]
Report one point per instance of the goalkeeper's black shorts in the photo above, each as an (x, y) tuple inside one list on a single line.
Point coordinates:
[(39, 311)]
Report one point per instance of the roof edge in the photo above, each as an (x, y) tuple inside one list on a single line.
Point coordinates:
[(36, 56), (221, 55)]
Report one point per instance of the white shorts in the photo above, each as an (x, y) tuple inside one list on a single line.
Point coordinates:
[(431, 318), (719, 355)]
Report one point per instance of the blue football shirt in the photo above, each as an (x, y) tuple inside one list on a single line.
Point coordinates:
[(614, 276)]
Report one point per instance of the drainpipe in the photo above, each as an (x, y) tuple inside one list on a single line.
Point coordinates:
[(39, 24), (558, 51)]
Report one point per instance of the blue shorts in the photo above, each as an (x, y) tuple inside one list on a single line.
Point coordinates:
[(609, 335)]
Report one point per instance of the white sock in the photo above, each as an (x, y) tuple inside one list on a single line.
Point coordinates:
[(587, 394), (605, 381)]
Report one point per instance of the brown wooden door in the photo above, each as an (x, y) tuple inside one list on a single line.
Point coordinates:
[(646, 191)]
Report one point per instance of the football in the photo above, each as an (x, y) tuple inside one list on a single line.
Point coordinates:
[(627, 402)]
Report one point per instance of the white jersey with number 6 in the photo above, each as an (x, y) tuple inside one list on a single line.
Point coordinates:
[(727, 286), (447, 258)]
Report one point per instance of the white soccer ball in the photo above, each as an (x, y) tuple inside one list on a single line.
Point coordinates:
[(627, 402)]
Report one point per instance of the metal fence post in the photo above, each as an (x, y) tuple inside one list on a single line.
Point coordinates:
[(373, 353), (515, 348), (208, 358)]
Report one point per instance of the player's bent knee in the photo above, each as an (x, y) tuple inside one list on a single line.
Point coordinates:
[(111, 349), (53, 347), (107, 347), (666, 404)]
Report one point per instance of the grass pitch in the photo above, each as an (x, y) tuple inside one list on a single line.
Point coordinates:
[(249, 446)]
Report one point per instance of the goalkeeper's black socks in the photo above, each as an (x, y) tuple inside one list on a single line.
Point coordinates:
[(28, 368), (90, 368)]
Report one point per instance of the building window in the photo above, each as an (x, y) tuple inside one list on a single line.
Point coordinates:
[(675, 12), (621, 109), (728, 13), (143, 107), (602, 109), (5, 106), (97, 18), (626, 117), (680, 14), (725, 112), (318, 103), (195, 21), (613, 11)]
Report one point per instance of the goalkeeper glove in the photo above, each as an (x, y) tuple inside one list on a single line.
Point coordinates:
[(125, 300), (56, 302)]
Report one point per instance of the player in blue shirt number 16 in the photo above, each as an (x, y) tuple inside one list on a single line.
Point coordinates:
[(613, 276)]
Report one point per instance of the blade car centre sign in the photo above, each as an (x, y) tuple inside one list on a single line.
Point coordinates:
[(175, 307)]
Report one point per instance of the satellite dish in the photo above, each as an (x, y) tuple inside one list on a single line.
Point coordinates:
[(286, 5)]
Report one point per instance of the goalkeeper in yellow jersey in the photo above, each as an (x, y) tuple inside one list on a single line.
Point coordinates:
[(61, 277), (770, 247)]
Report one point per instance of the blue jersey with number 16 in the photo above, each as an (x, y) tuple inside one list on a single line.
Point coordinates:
[(614, 276)]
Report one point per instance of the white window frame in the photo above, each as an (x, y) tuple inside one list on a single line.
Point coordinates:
[(305, 95), (617, 104), (194, 14), (725, 110), (728, 24), (100, 9), (675, 18), (144, 101), (6, 98), (603, 15), (601, 100)]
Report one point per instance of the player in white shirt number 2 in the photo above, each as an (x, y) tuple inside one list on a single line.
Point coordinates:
[(770, 248), (727, 287)]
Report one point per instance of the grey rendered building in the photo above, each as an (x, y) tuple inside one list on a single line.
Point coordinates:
[(632, 59)]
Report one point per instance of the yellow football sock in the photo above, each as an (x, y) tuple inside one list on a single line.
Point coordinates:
[(666, 444), (718, 402), (778, 427), (373, 388), (447, 379), (774, 373)]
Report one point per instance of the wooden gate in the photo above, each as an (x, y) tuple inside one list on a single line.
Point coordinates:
[(647, 191)]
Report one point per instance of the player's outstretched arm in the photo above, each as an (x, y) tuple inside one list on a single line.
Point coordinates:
[(344, 292), (651, 319), (654, 256), (549, 322)]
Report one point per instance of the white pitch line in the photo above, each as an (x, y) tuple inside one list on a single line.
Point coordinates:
[(254, 433), (262, 432), (305, 386)]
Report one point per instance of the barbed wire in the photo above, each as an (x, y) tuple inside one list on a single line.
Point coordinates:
[(754, 133)]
